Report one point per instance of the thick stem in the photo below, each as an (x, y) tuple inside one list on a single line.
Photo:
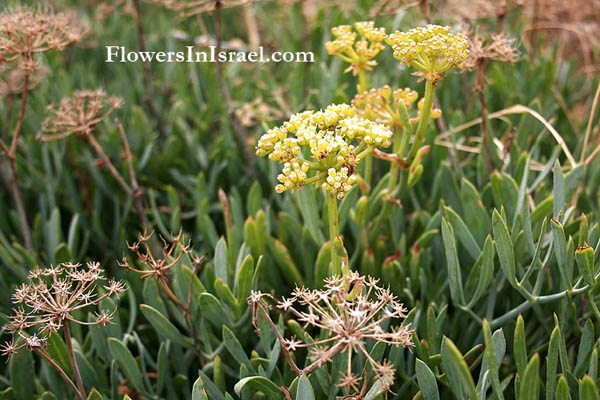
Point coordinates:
[(239, 132), (392, 184), (69, 343), (335, 266), (284, 349), (63, 374), (362, 81), (11, 155), (109, 164), (368, 162), (16, 191), (423, 120)]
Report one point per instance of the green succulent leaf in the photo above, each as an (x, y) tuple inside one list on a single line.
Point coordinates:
[(259, 383), (427, 381), (127, 363), (457, 371)]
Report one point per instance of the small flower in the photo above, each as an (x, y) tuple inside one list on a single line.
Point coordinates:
[(285, 304), (359, 54), (34, 342), (322, 148), (432, 49), (9, 348), (291, 344)]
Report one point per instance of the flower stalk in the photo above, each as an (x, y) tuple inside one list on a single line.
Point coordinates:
[(69, 343), (335, 266), (63, 374), (423, 120)]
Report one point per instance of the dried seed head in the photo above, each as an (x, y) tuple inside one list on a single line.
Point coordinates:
[(25, 31), (51, 296), (157, 265), (78, 114), (498, 48), (349, 311)]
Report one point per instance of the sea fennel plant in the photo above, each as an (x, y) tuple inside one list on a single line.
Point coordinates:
[(335, 140)]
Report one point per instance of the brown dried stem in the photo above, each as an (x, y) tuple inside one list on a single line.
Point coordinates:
[(69, 343), (62, 373), (11, 155), (239, 132)]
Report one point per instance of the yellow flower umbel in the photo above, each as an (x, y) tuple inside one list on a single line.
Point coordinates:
[(431, 49), (323, 148), (336, 139), (359, 54), (386, 106)]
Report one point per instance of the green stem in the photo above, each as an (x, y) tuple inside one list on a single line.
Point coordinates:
[(368, 168), (362, 81), (334, 228), (423, 120), (362, 87), (71, 353), (394, 171)]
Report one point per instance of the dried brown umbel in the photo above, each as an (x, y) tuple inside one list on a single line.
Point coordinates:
[(47, 303), (26, 31), (498, 47), (348, 312), (157, 266), (78, 114)]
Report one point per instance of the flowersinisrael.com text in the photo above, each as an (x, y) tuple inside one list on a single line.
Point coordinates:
[(121, 54)]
